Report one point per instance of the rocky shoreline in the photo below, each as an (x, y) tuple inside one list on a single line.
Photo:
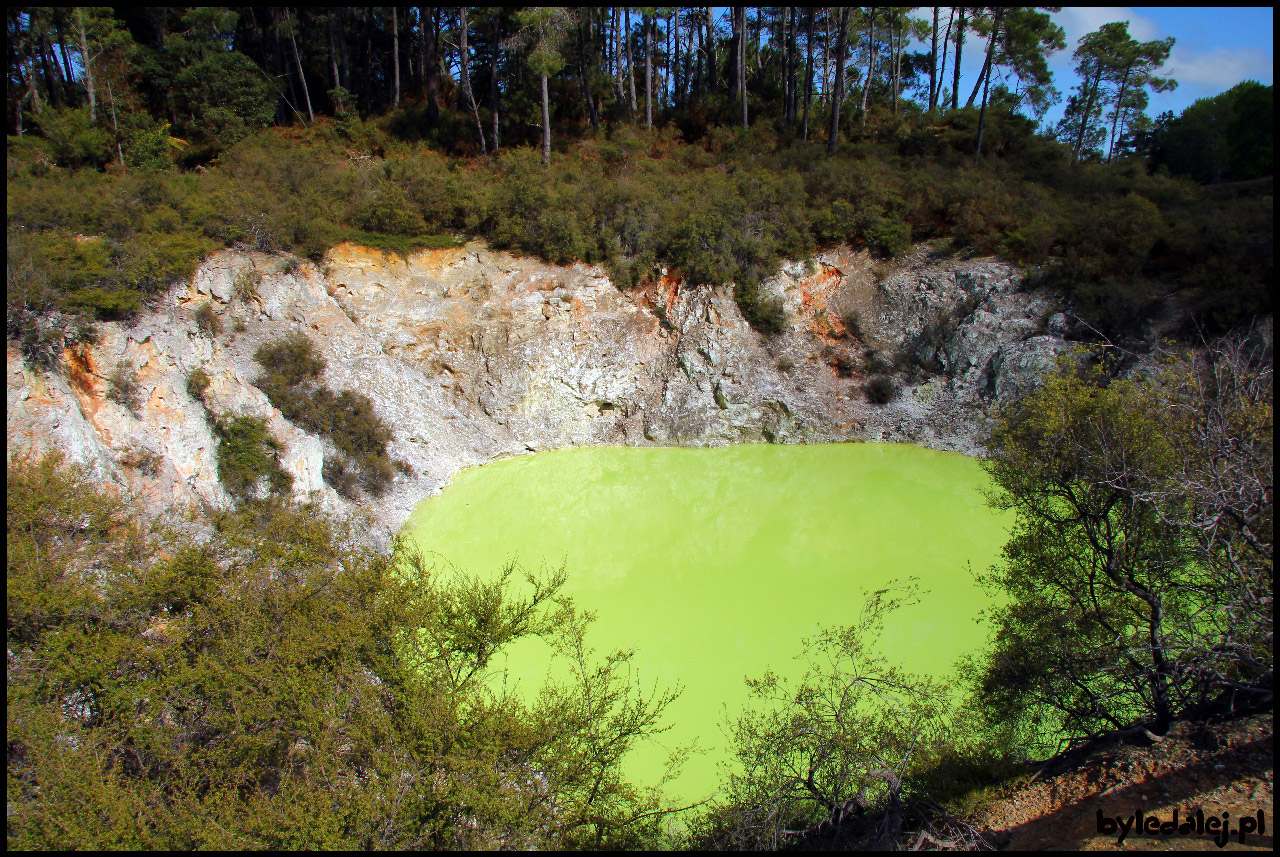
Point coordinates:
[(471, 355)]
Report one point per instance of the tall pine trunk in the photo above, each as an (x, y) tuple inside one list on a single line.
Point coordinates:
[(67, 76), (431, 70), (710, 43), (626, 46), (871, 62), (933, 64), (986, 63), (808, 70), (699, 56), (620, 94), (735, 42), (88, 71), (395, 57), (463, 62), (837, 89), (306, 93), (1091, 93), (1124, 84), (940, 94), (742, 63), (546, 123), (495, 93), (333, 54), (648, 71), (585, 76), (955, 83), (986, 85)]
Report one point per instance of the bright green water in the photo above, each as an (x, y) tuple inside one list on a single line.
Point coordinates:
[(715, 563)]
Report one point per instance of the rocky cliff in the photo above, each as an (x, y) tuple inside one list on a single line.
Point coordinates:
[(470, 355)]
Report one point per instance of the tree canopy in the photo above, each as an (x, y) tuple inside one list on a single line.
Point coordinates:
[(1139, 571)]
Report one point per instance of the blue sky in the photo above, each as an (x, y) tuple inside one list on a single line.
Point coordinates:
[(1215, 48)]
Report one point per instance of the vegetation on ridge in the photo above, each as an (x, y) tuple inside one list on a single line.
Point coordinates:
[(291, 380), (106, 206)]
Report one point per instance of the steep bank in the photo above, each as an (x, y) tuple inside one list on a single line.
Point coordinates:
[(470, 355)]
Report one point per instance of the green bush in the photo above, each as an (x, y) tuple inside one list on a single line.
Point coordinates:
[(248, 459), (207, 320), (270, 685), (123, 387), (347, 419), (880, 390), (293, 359), (765, 314), (852, 320), (105, 303), (245, 285), (638, 202), (391, 213), (73, 139), (402, 245), (338, 474), (151, 148), (197, 383), (229, 96), (887, 238)]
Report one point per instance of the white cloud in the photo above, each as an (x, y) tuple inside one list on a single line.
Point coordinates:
[(1080, 20), (1220, 68)]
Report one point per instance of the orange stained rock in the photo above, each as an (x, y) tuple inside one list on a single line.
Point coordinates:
[(670, 287), (161, 406), (84, 378), (436, 260), (349, 253)]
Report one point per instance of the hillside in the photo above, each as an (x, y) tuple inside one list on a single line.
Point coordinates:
[(468, 355), (1221, 768)]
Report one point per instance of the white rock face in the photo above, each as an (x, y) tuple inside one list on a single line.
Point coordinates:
[(471, 355)]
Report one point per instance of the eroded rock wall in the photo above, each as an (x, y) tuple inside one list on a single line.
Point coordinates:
[(470, 355)]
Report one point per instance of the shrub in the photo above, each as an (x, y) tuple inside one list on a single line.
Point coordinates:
[(207, 320), (45, 336), (106, 304), (151, 147), (124, 388), (880, 390), (1138, 591), (876, 363), (887, 238), (391, 213), (73, 139), (853, 323), (338, 474), (143, 460), (270, 684), (197, 383), (347, 418), (245, 285), (248, 459), (229, 96), (765, 314), (293, 359), (809, 750), (840, 361)]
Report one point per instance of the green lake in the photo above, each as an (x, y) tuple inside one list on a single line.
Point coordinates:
[(714, 564)]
